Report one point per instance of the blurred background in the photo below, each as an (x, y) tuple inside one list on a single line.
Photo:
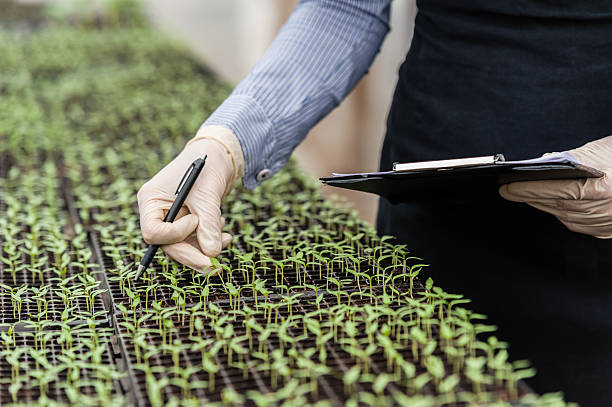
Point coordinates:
[(229, 36)]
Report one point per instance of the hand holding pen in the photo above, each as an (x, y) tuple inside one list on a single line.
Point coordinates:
[(182, 191), (200, 212)]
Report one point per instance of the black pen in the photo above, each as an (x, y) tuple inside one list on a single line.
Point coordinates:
[(181, 194)]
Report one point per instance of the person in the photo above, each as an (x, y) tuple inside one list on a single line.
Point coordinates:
[(481, 77)]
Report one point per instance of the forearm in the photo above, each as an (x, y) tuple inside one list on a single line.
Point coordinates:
[(316, 60)]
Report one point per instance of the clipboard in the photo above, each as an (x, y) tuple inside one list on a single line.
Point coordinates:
[(462, 178)]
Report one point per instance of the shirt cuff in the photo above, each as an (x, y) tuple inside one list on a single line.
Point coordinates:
[(253, 129), (228, 140)]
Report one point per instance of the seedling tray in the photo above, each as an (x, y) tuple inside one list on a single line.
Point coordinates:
[(53, 303), (331, 386), (54, 354)]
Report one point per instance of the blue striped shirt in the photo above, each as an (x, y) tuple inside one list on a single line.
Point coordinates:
[(317, 58)]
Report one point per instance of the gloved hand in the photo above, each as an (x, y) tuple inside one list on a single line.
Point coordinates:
[(201, 212), (585, 205)]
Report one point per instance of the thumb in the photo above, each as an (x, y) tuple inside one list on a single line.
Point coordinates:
[(207, 207)]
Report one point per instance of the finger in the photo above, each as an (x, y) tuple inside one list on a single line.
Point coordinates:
[(207, 207), (156, 231), (226, 239), (188, 255), (549, 189), (586, 207), (569, 212), (536, 190), (157, 209)]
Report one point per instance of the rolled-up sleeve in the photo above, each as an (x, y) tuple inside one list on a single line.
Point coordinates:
[(317, 58)]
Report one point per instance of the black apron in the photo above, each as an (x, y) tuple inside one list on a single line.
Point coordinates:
[(521, 78)]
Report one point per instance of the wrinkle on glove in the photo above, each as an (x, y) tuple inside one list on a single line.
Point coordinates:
[(582, 205)]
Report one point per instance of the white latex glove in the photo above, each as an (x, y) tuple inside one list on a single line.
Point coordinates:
[(201, 212), (585, 205)]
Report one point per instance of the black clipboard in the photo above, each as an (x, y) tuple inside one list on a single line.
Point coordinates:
[(450, 179)]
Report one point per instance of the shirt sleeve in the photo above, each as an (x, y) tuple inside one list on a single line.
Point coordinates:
[(317, 58)]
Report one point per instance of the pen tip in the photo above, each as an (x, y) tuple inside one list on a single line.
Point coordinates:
[(139, 271)]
